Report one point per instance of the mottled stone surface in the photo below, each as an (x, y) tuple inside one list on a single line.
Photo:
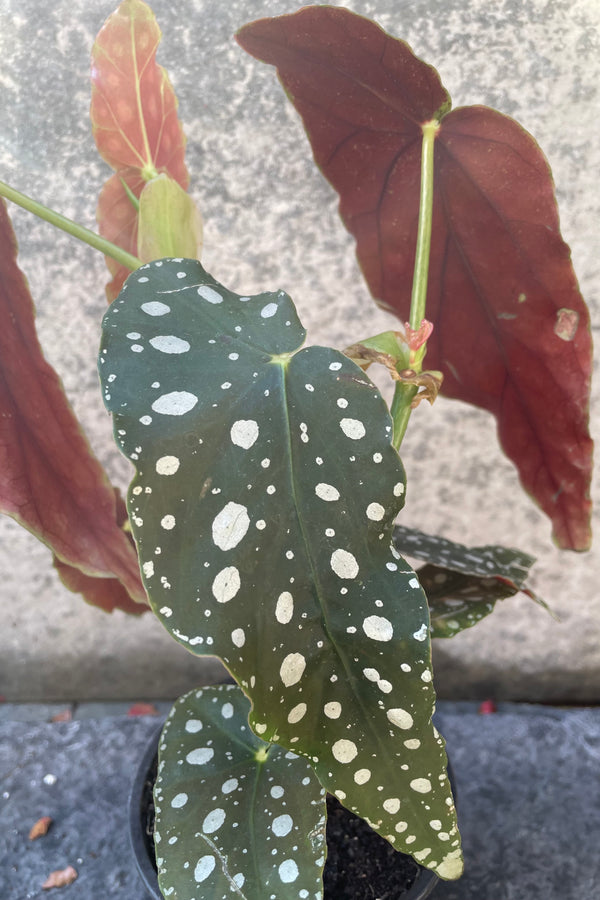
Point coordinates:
[(271, 221), (527, 786)]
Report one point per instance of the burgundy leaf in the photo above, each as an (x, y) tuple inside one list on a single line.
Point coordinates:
[(50, 481), (511, 330)]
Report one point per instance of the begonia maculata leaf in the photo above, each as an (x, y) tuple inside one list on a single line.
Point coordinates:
[(463, 583), (134, 122), (250, 814), (265, 492), (50, 481), (511, 331)]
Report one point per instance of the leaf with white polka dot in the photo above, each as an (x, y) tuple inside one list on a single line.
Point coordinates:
[(463, 583), (232, 810), (262, 506)]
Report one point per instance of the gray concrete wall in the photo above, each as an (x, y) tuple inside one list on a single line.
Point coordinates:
[(270, 221)]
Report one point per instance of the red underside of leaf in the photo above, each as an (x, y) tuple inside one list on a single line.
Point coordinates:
[(49, 479), (118, 222), (106, 593), (501, 276), (134, 122)]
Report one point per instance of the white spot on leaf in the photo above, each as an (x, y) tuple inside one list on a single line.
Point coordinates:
[(292, 669), (230, 526), (244, 433), (421, 785), (226, 584), (288, 871), (344, 564), (327, 492), (155, 308), (204, 868), (333, 709), (375, 512), (209, 294), (282, 825), (401, 718), (378, 628), (168, 343), (353, 428), (200, 756), (238, 637), (344, 750), (269, 310), (176, 403), (213, 821)]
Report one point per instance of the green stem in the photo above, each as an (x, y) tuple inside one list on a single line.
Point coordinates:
[(405, 394), (78, 231)]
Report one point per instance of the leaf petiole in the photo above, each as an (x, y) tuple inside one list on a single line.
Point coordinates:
[(405, 394), (78, 231)]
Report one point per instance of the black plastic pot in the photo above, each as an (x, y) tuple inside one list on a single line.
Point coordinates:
[(382, 858)]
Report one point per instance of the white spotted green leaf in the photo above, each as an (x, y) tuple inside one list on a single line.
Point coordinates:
[(463, 584), (262, 506), (235, 816)]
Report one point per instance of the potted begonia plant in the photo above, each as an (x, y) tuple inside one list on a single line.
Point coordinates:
[(268, 480)]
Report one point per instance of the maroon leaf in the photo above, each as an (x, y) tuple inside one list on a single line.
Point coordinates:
[(511, 329), (50, 481)]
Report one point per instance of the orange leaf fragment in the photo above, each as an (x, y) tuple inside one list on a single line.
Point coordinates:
[(40, 828), (60, 878), (142, 709)]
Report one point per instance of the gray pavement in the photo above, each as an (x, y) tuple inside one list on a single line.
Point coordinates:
[(527, 781)]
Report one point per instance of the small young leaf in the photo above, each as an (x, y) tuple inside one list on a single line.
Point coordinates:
[(50, 481), (169, 224), (511, 328), (249, 816), (262, 508), (134, 122), (134, 107)]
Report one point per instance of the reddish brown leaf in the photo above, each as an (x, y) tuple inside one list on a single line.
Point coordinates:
[(142, 709), (134, 122), (134, 108), (106, 593), (40, 828), (117, 220), (60, 878), (50, 481), (511, 330)]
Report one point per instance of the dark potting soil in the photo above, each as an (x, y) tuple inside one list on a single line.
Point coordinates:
[(360, 864)]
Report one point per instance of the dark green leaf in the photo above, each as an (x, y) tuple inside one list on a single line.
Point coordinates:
[(262, 507), (458, 601), (488, 561), (235, 816), (463, 583)]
